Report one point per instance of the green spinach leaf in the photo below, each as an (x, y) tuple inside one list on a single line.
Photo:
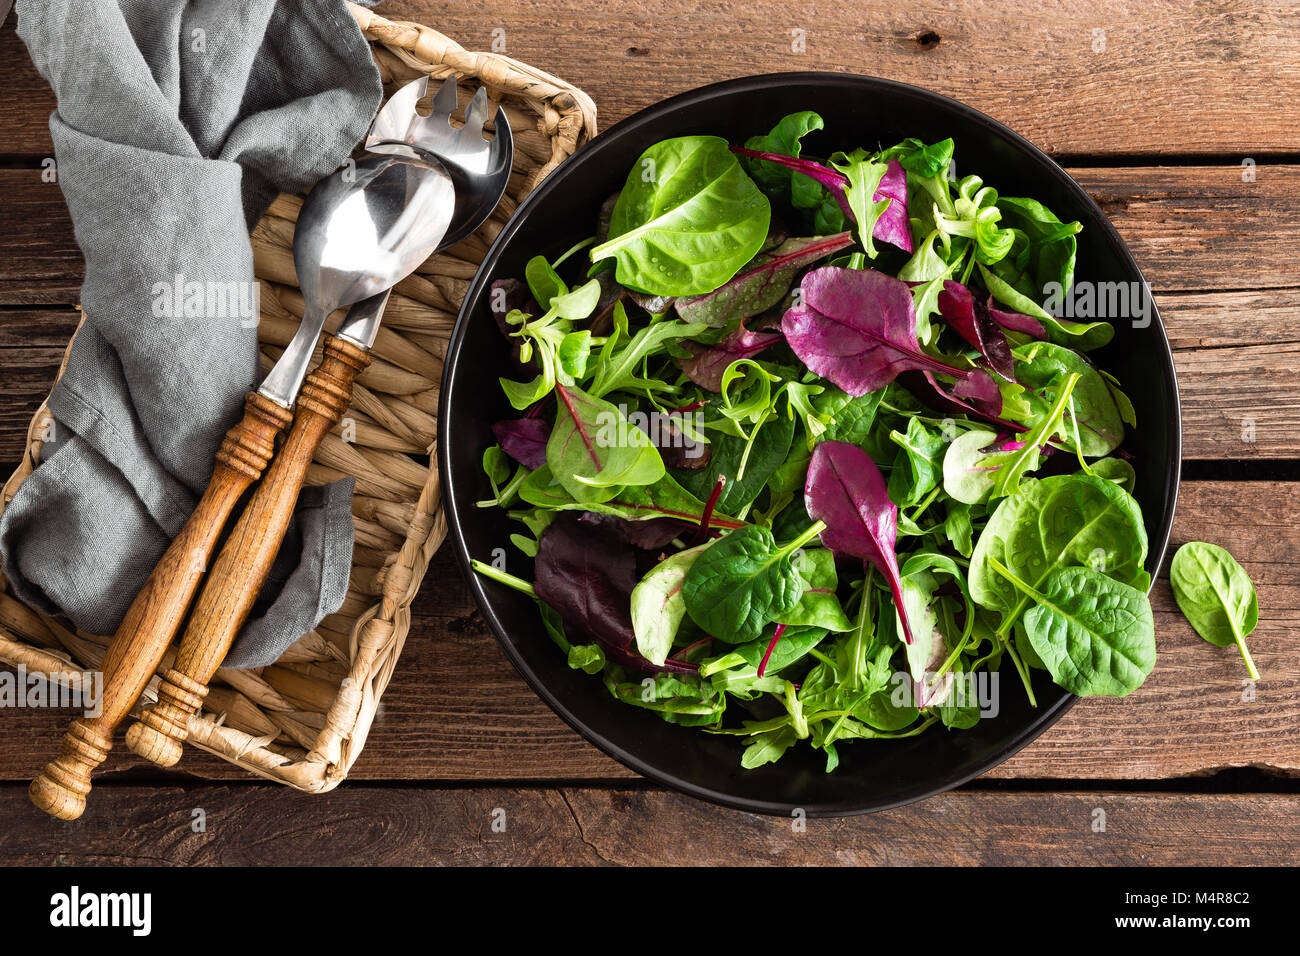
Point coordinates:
[(1216, 595), (687, 220)]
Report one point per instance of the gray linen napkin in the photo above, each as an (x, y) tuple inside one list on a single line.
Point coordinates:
[(177, 123)]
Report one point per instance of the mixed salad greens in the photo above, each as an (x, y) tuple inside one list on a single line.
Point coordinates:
[(818, 486)]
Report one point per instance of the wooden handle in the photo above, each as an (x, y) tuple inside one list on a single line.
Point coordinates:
[(156, 613), (242, 567)]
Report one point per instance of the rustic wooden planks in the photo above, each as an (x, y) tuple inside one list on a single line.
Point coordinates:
[(1112, 77), (569, 826)]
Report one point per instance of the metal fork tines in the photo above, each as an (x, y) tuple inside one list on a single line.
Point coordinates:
[(479, 167)]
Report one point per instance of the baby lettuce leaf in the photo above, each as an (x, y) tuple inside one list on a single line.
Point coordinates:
[(1059, 522), (658, 605), (594, 451), (707, 363), (587, 574), (857, 327), (742, 582), (845, 489), (819, 606), (687, 220), (1216, 595), (1095, 635), (761, 284), (966, 476)]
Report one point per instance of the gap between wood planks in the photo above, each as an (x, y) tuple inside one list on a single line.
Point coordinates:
[(577, 825)]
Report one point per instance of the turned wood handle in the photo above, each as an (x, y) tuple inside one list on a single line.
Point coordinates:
[(156, 613), (241, 569)]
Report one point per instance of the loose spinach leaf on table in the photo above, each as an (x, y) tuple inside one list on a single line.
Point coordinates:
[(687, 220), (1216, 595)]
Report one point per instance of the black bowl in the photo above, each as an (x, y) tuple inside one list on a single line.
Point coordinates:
[(859, 111)]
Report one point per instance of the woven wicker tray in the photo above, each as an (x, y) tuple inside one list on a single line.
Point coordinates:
[(304, 720)]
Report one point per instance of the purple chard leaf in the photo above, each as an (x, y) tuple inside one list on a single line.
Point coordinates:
[(524, 439), (857, 327), (971, 320), (708, 362), (846, 490)]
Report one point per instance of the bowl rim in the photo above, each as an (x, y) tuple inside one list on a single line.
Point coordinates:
[(483, 276)]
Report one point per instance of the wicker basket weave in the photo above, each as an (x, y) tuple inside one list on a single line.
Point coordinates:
[(304, 720)]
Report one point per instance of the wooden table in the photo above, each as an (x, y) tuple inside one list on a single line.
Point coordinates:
[(1183, 121)]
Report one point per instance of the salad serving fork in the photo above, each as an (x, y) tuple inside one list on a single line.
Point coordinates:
[(361, 231)]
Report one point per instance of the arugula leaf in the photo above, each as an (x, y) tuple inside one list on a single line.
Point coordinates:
[(1216, 595), (687, 220)]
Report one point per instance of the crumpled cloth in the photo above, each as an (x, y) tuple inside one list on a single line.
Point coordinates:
[(178, 121)]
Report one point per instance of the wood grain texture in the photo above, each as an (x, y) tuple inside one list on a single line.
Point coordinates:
[(1215, 76), (576, 826), (456, 709)]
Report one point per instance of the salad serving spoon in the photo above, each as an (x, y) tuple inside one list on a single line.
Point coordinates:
[(242, 567), (360, 231)]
